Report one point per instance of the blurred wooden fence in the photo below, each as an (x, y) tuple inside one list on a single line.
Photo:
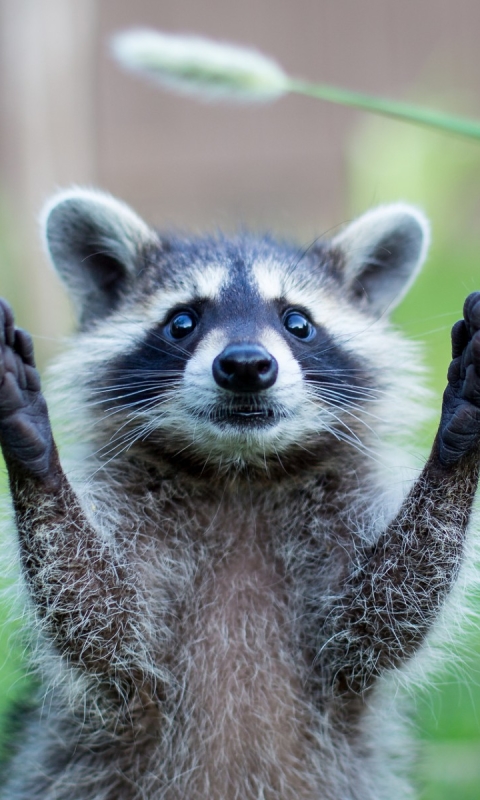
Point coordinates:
[(69, 115)]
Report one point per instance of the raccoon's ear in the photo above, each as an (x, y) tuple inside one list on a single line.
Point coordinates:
[(381, 253), (95, 243)]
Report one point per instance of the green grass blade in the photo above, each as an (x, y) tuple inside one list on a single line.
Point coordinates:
[(390, 108)]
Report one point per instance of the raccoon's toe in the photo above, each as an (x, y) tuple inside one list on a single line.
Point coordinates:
[(25, 433), (459, 431)]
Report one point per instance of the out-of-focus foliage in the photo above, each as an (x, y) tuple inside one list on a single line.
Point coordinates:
[(442, 175)]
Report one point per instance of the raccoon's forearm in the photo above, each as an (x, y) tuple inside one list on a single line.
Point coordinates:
[(83, 593), (84, 596), (394, 597)]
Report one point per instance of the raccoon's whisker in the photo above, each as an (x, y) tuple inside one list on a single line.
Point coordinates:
[(348, 337), (353, 437), (346, 434), (145, 405), (340, 401), (132, 418), (292, 267), (355, 442), (115, 398), (362, 421), (117, 451), (339, 373), (150, 391), (135, 388), (134, 414), (113, 452), (174, 345), (350, 409), (277, 456), (346, 408), (324, 369), (350, 398), (338, 390), (152, 380), (115, 401), (171, 343), (316, 356), (129, 437), (360, 447), (369, 414), (186, 447), (109, 406), (137, 385), (372, 390), (136, 377), (320, 237)]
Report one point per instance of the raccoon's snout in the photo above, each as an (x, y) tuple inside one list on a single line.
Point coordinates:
[(245, 367)]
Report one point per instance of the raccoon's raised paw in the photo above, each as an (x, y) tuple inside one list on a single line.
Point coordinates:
[(459, 431), (25, 433)]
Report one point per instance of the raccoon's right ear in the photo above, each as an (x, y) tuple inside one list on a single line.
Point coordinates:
[(95, 243), (381, 253)]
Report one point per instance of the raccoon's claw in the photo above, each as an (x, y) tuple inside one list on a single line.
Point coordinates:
[(459, 431), (25, 434)]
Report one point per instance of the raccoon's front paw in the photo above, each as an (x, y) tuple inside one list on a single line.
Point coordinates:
[(459, 431), (25, 434)]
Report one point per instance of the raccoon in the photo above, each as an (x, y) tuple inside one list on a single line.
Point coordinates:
[(228, 571)]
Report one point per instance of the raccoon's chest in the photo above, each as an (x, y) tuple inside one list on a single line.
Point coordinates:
[(244, 716)]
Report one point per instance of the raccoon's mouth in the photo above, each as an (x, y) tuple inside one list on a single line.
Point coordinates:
[(244, 415)]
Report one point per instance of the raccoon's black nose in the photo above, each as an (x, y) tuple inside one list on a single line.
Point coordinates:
[(245, 368)]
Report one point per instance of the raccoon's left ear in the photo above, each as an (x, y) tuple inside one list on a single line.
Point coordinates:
[(381, 252), (95, 243)]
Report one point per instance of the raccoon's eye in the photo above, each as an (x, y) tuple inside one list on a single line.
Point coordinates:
[(298, 325), (182, 324)]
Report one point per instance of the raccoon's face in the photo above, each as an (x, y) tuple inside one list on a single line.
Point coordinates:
[(238, 350)]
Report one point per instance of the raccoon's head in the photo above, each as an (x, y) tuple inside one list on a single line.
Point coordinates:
[(239, 350)]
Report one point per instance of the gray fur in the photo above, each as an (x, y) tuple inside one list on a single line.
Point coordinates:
[(220, 613)]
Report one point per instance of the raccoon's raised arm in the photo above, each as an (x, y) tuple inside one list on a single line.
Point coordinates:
[(84, 595), (394, 596), (84, 592)]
